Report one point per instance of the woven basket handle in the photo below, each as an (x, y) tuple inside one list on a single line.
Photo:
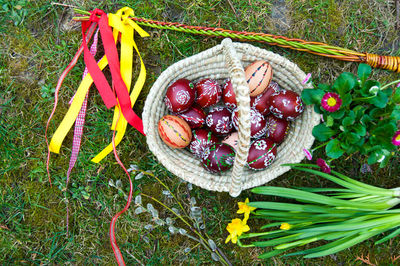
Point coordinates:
[(241, 89)]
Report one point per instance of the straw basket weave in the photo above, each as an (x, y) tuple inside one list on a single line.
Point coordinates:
[(227, 60)]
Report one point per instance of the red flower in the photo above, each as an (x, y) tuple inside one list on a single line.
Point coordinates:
[(324, 166), (331, 102), (396, 138)]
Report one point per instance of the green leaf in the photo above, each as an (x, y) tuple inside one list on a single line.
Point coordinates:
[(395, 115), (390, 236), (346, 99), (396, 96), (352, 138), (359, 111), (329, 121), (360, 130), (344, 83), (365, 119), (366, 88), (312, 96), (338, 114), (380, 100), (271, 254), (341, 246), (324, 87), (317, 109), (347, 121), (333, 149), (363, 72), (322, 133)]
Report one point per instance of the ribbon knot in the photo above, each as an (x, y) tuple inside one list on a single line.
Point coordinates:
[(94, 15), (124, 14)]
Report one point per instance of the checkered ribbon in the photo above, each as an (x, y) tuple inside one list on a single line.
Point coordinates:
[(80, 120)]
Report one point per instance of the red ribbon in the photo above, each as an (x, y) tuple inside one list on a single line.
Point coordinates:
[(113, 61)]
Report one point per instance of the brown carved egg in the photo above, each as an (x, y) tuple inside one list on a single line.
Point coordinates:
[(228, 95), (209, 92), (194, 116), (277, 128), (232, 139), (261, 101), (174, 131), (180, 96), (201, 139), (219, 120), (286, 104), (258, 76), (218, 157), (262, 153), (258, 123)]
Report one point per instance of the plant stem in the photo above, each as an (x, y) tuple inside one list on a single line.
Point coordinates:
[(389, 84), (185, 222), (320, 146)]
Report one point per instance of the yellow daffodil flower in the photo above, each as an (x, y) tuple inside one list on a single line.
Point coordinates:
[(246, 209), (236, 228), (285, 226)]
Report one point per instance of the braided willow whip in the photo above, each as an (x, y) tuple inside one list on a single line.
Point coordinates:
[(378, 61)]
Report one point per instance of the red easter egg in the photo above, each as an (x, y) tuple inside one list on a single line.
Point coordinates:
[(261, 101), (180, 96), (228, 95), (277, 128), (258, 76), (218, 157), (232, 139), (258, 123), (219, 120), (208, 92), (262, 153), (194, 116), (201, 139), (174, 131), (286, 104)]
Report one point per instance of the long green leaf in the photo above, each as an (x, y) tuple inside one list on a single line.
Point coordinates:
[(376, 190), (339, 247), (345, 226), (323, 247), (345, 182), (316, 198), (271, 254), (390, 236)]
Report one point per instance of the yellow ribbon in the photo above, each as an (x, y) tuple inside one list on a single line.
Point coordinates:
[(121, 24)]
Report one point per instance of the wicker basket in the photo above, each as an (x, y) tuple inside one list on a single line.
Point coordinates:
[(220, 62)]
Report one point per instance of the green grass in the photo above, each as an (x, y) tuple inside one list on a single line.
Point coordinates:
[(37, 41)]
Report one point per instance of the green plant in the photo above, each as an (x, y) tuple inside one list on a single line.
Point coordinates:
[(359, 115), (345, 217)]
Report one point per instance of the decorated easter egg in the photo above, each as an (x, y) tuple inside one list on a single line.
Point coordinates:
[(219, 120), (180, 96), (218, 157), (262, 153), (194, 116), (209, 92), (261, 101), (258, 76), (228, 95), (201, 139), (286, 104), (258, 123), (232, 139), (277, 128), (174, 131)]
